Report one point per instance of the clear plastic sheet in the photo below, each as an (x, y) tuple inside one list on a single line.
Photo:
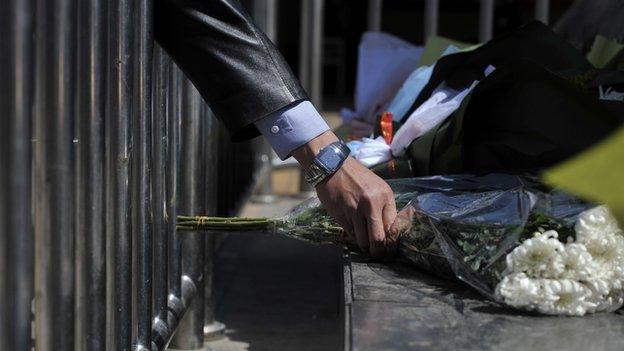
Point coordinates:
[(464, 226)]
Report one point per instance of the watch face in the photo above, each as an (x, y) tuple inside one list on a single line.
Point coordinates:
[(330, 158)]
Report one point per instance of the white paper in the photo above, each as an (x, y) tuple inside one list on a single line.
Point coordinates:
[(442, 103), (370, 152), (438, 107), (384, 62)]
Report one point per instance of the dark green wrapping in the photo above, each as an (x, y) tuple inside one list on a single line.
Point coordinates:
[(521, 118)]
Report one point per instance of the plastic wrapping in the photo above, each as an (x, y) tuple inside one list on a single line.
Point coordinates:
[(463, 226), (466, 226)]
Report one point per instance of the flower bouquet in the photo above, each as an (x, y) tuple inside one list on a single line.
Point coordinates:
[(511, 238)]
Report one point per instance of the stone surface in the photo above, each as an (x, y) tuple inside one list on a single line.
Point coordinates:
[(396, 307)]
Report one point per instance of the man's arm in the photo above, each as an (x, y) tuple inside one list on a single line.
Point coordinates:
[(233, 65), (249, 86)]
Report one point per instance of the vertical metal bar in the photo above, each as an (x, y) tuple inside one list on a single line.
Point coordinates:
[(542, 10), (374, 15), (304, 44), (175, 304), (118, 118), (173, 152), (486, 20), (54, 212), (159, 204), (210, 207), (212, 327), (6, 107), (316, 69), (16, 236), (265, 16), (90, 198), (311, 57), (432, 8), (190, 333), (141, 174)]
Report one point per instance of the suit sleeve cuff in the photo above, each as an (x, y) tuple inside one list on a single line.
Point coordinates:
[(292, 127)]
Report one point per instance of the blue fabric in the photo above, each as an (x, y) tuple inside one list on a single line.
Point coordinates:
[(412, 87), (292, 127)]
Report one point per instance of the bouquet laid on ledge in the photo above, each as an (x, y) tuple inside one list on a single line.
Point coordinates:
[(511, 238)]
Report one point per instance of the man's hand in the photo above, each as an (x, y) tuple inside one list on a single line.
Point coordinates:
[(361, 202)]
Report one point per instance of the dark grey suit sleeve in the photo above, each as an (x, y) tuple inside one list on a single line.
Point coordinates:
[(235, 67)]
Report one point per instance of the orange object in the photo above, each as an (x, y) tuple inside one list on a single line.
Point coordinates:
[(386, 126)]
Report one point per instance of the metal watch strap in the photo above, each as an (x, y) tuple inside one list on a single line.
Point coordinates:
[(316, 174)]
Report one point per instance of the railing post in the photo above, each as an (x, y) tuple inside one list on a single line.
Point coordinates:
[(90, 196), (542, 10), (212, 327), (374, 15), (118, 210), (316, 69), (486, 20), (190, 333), (265, 15), (432, 7), (141, 176), (311, 49), (311, 56), (161, 173), (54, 185), (304, 44), (176, 301), (16, 237)]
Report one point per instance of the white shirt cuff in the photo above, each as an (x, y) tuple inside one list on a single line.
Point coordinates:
[(292, 127)]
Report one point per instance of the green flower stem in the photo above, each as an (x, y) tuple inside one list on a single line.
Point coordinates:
[(311, 230), (182, 219), (222, 223)]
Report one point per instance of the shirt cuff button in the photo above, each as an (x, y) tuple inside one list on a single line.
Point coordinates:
[(275, 129)]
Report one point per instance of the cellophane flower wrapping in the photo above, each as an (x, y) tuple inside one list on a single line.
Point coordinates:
[(510, 237)]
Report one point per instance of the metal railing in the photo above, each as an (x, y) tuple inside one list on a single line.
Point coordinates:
[(431, 10), (103, 141)]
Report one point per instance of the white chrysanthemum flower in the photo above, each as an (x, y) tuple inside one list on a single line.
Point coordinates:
[(608, 254), (518, 290), (578, 263), (609, 302), (585, 275), (598, 286), (596, 222), (606, 249), (540, 256), (564, 296), (548, 296)]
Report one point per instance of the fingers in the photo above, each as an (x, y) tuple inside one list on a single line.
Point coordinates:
[(347, 226), (389, 213), (389, 216), (370, 208), (376, 234), (361, 233), (403, 221)]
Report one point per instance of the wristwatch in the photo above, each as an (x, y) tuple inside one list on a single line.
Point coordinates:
[(327, 162)]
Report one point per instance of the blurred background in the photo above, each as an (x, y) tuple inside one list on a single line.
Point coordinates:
[(320, 42)]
